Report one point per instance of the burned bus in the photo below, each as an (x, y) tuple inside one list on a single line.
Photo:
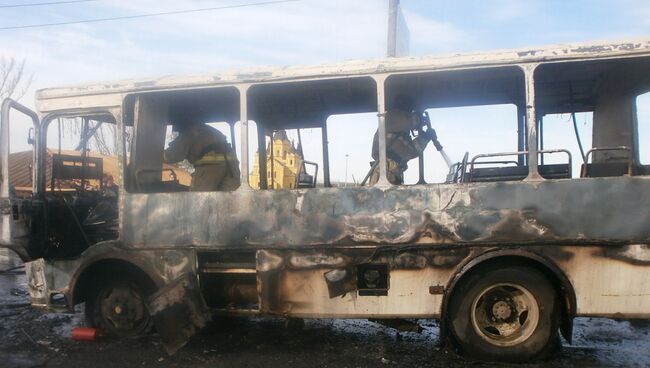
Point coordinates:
[(505, 251)]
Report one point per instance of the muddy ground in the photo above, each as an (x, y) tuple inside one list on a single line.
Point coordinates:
[(29, 338)]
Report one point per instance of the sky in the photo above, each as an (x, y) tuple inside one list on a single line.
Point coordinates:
[(313, 32)]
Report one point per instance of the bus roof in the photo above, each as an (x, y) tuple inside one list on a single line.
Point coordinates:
[(111, 94)]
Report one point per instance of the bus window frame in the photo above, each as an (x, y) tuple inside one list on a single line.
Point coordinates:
[(526, 112), (114, 112), (128, 106), (322, 123)]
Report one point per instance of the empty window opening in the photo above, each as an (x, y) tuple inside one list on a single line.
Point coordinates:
[(557, 135), (351, 137), (185, 140), (602, 96), (465, 125), (475, 130), (295, 138)]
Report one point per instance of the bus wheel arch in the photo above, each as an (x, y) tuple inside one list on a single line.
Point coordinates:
[(114, 281), (564, 290)]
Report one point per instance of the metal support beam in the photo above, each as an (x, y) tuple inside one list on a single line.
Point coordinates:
[(381, 130), (326, 157), (540, 130), (261, 157), (521, 133), (232, 136), (529, 71), (243, 119)]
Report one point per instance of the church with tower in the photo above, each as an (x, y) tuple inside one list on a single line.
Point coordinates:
[(282, 163)]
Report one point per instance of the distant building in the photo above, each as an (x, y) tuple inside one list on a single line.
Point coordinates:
[(282, 163)]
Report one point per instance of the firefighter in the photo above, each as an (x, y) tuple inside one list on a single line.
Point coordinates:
[(400, 120), (216, 167)]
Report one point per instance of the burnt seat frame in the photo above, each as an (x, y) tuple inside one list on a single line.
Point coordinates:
[(608, 169), (517, 172), (304, 179)]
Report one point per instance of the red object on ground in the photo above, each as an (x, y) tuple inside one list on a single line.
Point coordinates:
[(85, 333)]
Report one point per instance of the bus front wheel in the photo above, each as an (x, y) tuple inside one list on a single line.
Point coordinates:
[(118, 308), (505, 313)]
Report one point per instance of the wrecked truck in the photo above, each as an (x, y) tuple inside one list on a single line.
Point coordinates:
[(505, 252)]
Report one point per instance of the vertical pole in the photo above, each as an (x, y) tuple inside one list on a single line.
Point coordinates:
[(393, 5), (4, 151), (521, 133), (84, 149), (326, 157), (115, 145), (381, 130), (261, 157), (243, 118), (302, 154), (529, 71), (58, 122), (303, 167), (121, 165), (421, 167), (232, 136), (272, 159), (541, 138)]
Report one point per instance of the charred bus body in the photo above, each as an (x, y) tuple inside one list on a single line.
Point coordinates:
[(504, 254)]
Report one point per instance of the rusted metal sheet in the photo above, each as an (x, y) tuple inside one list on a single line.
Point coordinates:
[(51, 277), (36, 282), (178, 311)]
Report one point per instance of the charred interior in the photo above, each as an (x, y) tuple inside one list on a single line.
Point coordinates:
[(228, 279), (80, 198)]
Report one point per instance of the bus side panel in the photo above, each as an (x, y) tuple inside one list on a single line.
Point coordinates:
[(587, 211), (291, 286), (610, 281)]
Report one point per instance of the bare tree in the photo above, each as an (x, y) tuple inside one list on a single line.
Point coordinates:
[(102, 137), (12, 82)]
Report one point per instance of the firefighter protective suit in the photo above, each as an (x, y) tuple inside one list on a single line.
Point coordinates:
[(400, 147), (216, 167)]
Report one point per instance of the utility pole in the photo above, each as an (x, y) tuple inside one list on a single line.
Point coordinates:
[(393, 6), (398, 32)]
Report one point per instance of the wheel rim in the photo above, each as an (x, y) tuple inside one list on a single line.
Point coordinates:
[(122, 309), (505, 314)]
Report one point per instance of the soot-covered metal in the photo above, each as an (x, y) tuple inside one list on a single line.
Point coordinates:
[(483, 213)]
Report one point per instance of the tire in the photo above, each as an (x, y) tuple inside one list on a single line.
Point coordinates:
[(117, 308), (505, 313)]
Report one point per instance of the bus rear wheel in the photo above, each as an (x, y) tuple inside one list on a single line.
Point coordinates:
[(504, 314), (118, 309)]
